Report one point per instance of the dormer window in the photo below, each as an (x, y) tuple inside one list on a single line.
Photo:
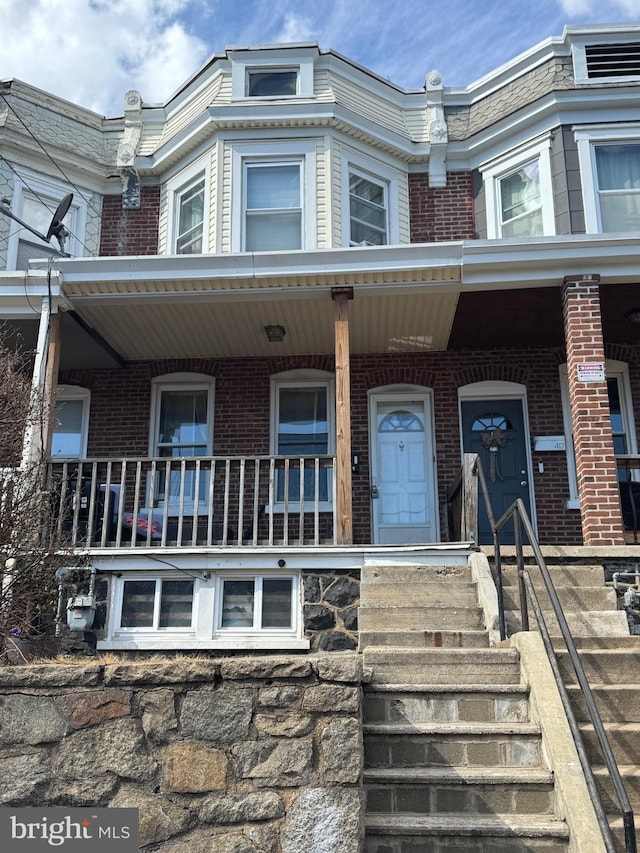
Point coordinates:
[(272, 82)]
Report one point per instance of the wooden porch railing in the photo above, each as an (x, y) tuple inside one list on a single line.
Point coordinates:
[(199, 501)]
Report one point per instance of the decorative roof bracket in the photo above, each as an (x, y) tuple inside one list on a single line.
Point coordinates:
[(127, 149), (438, 135)]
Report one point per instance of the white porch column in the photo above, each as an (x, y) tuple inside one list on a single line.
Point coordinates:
[(44, 381)]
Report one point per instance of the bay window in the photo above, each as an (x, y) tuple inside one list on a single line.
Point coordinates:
[(273, 205), (190, 219), (368, 207)]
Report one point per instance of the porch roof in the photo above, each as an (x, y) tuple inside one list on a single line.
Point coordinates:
[(192, 306)]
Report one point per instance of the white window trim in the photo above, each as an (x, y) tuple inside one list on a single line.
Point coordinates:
[(380, 174), (292, 631), (181, 382), (301, 379), (204, 632), (587, 139), (176, 187), (303, 152), (52, 192), (75, 392), (501, 167), (278, 61), (614, 370)]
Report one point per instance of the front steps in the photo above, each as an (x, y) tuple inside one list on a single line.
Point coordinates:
[(453, 761), (612, 666)]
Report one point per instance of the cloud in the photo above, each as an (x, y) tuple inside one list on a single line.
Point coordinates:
[(92, 51), (579, 8)]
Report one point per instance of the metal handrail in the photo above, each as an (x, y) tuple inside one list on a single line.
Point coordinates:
[(518, 514)]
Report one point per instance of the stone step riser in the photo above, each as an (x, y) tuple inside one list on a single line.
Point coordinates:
[(621, 705), (479, 844), (437, 751), (414, 595), (443, 674), (602, 667), (625, 745), (588, 624), (571, 599), (425, 639), (610, 801), (426, 707), (416, 575), (420, 618), (560, 575), (517, 797)]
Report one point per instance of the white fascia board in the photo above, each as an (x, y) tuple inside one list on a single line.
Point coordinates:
[(536, 262), (342, 261)]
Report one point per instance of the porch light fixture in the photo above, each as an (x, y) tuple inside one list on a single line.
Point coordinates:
[(633, 316), (275, 334)]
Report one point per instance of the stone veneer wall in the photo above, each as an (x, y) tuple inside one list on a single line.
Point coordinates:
[(257, 754)]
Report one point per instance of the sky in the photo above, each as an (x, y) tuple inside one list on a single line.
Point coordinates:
[(92, 51)]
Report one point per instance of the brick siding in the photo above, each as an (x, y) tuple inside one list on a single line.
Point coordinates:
[(595, 463), (134, 231), (121, 399), (441, 213)]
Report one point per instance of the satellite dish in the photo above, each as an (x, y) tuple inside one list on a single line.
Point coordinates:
[(56, 228)]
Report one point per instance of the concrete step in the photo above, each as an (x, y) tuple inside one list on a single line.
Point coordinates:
[(423, 594), (459, 833), (572, 598), (602, 666), (569, 575), (460, 705), (630, 774), (624, 739), (452, 744), (592, 623), (433, 790), (443, 665), (424, 639), (409, 574), (420, 618), (617, 703)]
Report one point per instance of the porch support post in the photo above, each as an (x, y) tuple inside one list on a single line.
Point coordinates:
[(344, 508), (32, 447), (597, 475), (51, 382)]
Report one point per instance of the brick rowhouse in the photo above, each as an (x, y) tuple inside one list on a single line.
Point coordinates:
[(590, 416)]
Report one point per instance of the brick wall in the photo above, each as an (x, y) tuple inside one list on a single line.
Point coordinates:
[(120, 404), (595, 463), (441, 213), (134, 231)]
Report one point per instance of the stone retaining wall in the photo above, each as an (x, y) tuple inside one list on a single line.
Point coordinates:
[(255, 754)]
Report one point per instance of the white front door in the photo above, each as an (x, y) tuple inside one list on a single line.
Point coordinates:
[(403, 492)]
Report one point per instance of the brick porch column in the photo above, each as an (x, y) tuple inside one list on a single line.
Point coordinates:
[(593, 444)]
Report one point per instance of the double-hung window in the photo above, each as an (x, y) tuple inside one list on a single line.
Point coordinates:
[(273, 205), (610, 171), (303, 426), (368, 211), (519, 195), (70, 423), (273, 196), (190, 218), (181, 427)]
